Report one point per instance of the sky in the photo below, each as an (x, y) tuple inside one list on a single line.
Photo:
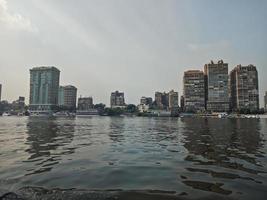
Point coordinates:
[(135, 46)]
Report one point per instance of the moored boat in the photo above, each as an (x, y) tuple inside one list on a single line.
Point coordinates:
[(85, 113)]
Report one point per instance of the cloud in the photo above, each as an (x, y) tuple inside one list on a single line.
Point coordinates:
[(14, 21)]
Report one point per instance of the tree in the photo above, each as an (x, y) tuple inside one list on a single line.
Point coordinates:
[(113, 111), (99, 106), (131, 108)]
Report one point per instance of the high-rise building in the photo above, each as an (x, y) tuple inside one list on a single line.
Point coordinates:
[(61, 96), (19, 105), (0, 92), (182, 104), (162, 100), (265, 101), (194, 91), (216, 86), (244, 88), (67, 96), (166, 101), (117, 100), (44, 85), (85, 103), (158, 100), (173, 100), (146, 101)]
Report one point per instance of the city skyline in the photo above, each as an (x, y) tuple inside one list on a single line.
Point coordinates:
[(132, 46)]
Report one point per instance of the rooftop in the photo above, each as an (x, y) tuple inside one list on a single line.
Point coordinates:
[(44, 68)]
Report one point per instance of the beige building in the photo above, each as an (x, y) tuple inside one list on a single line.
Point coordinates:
[(67, 96), (173, 100), (162, 100), (217, 86), (194, 91), (85, 103), (244, 88)]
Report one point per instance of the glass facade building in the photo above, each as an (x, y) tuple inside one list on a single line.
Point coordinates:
[(44, 86)]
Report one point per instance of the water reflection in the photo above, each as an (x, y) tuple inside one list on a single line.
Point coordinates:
[(47, 140), (189, 156), (116, 129), (233, 146)]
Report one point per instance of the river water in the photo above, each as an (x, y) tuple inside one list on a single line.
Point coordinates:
[(196, 157)]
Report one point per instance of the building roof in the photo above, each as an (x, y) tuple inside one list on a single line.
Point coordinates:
[(44, 68)]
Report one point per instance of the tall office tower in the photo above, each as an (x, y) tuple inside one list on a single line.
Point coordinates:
[(216, 86), (85, 103), (67, 96), (44, 85), (244, 88), (0, 92), (173, 100), (194, 91), (265, 101), (117, 100), (162, 100)]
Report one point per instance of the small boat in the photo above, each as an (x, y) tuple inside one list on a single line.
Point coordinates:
[(84, 113), (6, 114), (222, 115), (20, 114), (63, 114), (41, 113)]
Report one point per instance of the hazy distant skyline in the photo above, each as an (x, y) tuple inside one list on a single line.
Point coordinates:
[(135, 46)]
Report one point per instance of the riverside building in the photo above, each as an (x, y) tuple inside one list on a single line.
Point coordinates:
[(244, 88), (67, 96), (194, 91), (44, 85), (161, 100), (173, 100), (167, 100), (216, 86), (0, 92), (265, 101), (85, 103), (117, 100), (146, 101), (182, 104)]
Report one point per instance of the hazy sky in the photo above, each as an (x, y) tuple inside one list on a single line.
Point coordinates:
[(136, 46)]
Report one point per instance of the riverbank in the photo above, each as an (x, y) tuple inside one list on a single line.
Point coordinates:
[(38, 193), (181, 115)]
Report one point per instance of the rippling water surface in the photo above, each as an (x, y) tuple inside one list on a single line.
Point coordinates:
[(195, 157)]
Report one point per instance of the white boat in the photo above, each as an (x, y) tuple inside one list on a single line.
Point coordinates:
[(84, 113), (5, 114), (222, 115), (41, 113), (20, 114), (252, 116), (63, 114)]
